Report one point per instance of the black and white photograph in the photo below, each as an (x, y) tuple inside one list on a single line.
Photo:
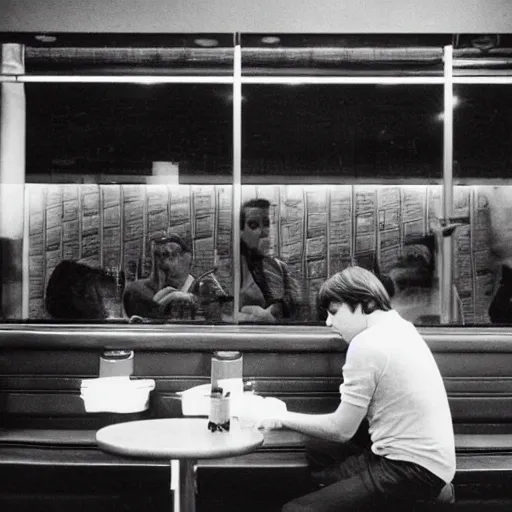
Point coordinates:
[(256, 256)]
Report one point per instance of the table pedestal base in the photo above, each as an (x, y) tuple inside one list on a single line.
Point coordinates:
[(183, 485)]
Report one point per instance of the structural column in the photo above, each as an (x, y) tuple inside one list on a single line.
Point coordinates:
[(445, 244), (12, 182)]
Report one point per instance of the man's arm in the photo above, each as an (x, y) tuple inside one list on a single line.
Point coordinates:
[(340, 425), (288, 306), (136, 302), (293, 293)]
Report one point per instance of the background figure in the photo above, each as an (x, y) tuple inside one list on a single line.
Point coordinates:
[(500, 204), (500, 310), (77, 291), (11, 290), (415, 294), (170, 291), (269, 292)]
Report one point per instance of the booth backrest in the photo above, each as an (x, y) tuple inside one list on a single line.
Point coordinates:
[(41, 369)]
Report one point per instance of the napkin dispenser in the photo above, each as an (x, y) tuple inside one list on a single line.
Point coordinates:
[(116, 394), (196, 401)]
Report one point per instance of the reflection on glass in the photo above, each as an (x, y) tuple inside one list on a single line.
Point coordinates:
[(169, 239), (171, 291), (482, 124), (490, 238), (306, 234), (343, 55), (482, 255), (269, 292), (298, 133), (293, 240), (126, 156), (317, 231), (115, 133), (164, 239), (77, 291)]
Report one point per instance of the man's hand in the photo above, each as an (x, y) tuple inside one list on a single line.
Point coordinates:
[(266, 413), (273, 411), (257, 314), (175, 302)]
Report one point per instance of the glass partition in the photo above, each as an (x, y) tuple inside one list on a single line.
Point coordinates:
[(482, 119), (133, 179), (305, 133), (314, 231), (350, 136), (129, 133), (483, 246), (131, 173)]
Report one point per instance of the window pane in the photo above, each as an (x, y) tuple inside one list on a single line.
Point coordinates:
[(482, 120), (483, 158), (316, 231), (339, 146), (114, 133), (482, 254), (308, 133), (134, 180)]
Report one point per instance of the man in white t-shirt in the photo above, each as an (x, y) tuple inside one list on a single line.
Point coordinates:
[(390, 380)]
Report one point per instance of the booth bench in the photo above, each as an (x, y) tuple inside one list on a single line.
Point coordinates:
[(48, 455)]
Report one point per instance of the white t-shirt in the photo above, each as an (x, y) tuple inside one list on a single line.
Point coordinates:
[(391, 371)]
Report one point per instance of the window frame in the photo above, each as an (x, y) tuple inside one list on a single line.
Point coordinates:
[(238, 79)]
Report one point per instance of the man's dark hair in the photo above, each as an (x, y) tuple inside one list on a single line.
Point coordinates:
[(173, 238), (72, 291), (353, 286), (252, 203), (416, 267)]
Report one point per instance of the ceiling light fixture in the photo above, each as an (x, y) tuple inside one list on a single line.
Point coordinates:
[(270, 40), (206, 42), (43, 38)]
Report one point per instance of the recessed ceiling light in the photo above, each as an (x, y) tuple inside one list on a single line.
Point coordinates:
[(45, 39), (206, 42), (270, 40)]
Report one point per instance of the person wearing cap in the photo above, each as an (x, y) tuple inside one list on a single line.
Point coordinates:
[(390, 380), (269, 292), (171, 292)]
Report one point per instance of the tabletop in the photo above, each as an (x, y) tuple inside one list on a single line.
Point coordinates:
[(177, 438)]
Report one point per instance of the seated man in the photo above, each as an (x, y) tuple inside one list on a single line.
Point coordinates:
[(171, 292), (391, 380), (77, 291)]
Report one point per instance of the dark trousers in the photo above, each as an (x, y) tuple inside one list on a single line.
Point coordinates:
[(350, 477)]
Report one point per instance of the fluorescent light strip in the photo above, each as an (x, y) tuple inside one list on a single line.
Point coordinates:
[(495, 80), (284, 80), (298, 80), (128, 79)]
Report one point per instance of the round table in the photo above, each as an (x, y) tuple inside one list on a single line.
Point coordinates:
[(181, 440)]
